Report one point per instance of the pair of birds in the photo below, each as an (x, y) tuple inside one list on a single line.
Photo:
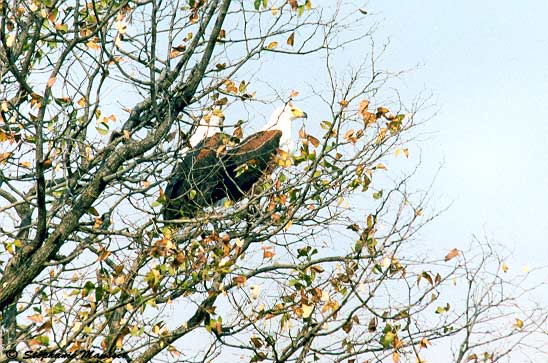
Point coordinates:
[(209, 172)]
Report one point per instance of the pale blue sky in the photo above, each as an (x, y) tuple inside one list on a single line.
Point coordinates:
[(485, 63)]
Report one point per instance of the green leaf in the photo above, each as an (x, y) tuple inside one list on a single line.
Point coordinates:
[(257, 4)]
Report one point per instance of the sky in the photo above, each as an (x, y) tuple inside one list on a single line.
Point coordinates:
[(484, 62)]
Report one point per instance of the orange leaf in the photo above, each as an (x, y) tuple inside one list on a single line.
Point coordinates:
[(272, 45), (313, 140), (51, 81), (362, 107), (239, 280), (36, 318), (452, 254)]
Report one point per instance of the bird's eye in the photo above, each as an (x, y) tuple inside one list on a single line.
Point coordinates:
[(292, 110)]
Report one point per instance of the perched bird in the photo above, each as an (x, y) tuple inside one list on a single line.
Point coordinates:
[(210, 171), (208, 127)]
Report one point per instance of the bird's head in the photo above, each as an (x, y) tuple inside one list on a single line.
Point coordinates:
[(288, 112), (295, 112)]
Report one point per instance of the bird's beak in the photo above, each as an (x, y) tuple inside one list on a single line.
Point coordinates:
[(297, 113)]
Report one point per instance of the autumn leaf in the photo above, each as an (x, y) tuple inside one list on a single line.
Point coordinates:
[(362, 107), (519, 323), (51, 81), (36, 318), (343, 103), (239, 280), (10, 40), (307, 310), (293, 4), (93, 45), (382, 110), (272, 45), (424, 343), (452, 254), (291, 39), (313, 140)]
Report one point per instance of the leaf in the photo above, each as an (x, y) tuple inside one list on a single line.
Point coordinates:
[(51, 81), (362, 107), (10, 40), (343, 103), (396, 357), (382, 110), (364, 12), (272, 45), (452, 254), (293, 4), (307, 310), (61, 27), (36, 318), (308, 5), (313, 140), (372, 326), (291, 39), (354, 227), (93, 45), (257, 4), (239, 280), (519, 323)]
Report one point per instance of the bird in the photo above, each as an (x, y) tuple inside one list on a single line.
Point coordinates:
[(212, 170), (209, 126)]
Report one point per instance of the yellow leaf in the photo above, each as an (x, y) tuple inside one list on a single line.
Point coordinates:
[(504, 267), (5, 107), (274, 10), (255, 290), (104, 255), (452, 254), (272, 45), (81, 102), (307, 310), (291, 39), (25, 164), (93, 45), (396, 357), (343, 103), (308, 5), (10, 40), (381, 166), (519, 323), (406, 152)]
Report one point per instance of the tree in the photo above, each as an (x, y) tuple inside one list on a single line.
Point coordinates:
[(294, 272)]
